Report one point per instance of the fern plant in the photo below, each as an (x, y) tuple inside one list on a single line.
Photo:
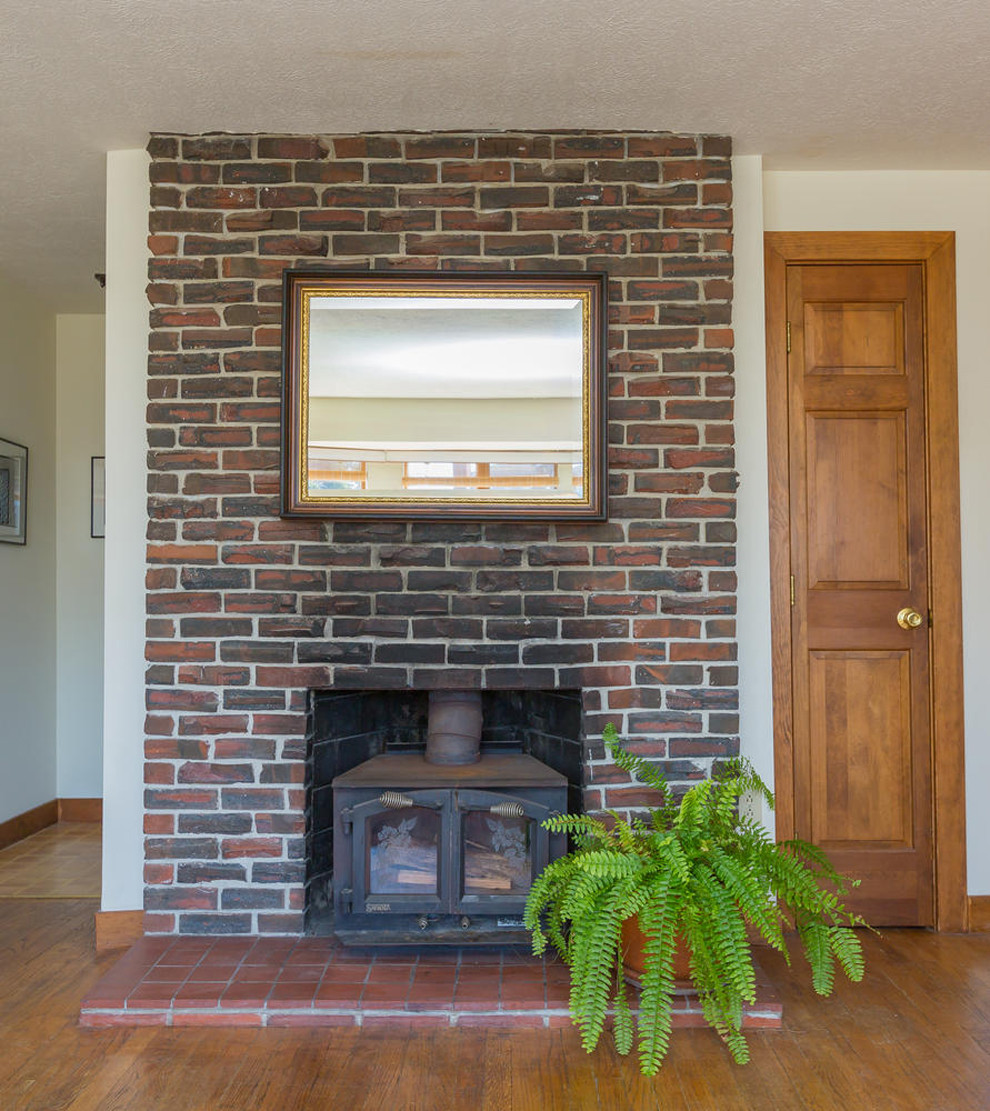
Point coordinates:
[(698, 871)]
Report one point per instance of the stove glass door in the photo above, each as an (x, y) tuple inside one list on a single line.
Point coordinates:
[(403, 856), (502, 848)]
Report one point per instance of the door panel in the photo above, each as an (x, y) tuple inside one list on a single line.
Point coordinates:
[(860, 737), (856, 473), (850, 338), (858, 522)]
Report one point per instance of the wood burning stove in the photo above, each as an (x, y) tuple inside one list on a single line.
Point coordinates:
[(437, 853)]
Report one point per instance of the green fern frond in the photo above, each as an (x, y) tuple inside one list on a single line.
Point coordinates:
[(622, 1015), (695, 870), (644, 771)]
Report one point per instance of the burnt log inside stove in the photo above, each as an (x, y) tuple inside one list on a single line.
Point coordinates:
[(441, 854)]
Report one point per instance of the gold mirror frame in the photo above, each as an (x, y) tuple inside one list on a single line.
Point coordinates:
[(313, 345)]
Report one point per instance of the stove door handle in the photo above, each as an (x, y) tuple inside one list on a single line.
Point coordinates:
[(395, 800), (508, 810)]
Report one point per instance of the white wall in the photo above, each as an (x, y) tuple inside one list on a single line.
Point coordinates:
[(27, 574), (752, 510), (126, 375), (878, 201), (79, 560)]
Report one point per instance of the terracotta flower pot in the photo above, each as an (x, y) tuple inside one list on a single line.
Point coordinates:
[(633, 942)]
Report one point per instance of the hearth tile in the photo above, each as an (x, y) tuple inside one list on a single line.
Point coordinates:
[(200, 995), (287, 996), (165, 974), (481, 957), (345, 974), (338, 996), (528, 998), (522, 957), (376, 997), (130, 1018), (106, 995), (233, 948), (113, 989), (214, 973), (268, 951), (475, 999), (186, 948), (429, 999), (482, 974), (301, 973), (245, 995), (180, 1018), (388, 953), (255, 974), (431, 974), (152, 997), (558, 995), (149, 949), (312, 951), (390, 974), (523, 972), (394, 955), (439, 957), (178, 959)]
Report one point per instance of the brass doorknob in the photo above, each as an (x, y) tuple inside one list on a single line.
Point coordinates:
[(909, 618)]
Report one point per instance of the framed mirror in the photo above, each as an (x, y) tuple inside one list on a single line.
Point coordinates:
[(431, 394)]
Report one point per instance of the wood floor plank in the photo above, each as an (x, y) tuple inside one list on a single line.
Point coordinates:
[(914, 1036)]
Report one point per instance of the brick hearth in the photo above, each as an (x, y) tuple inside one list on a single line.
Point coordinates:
[(246, 981)]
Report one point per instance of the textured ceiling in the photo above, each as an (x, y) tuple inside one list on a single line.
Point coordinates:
[(826, 84)]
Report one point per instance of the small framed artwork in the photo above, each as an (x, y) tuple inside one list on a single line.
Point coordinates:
[(98, 497), (13, 492)]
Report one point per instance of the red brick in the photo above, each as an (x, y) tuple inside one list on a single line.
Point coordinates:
[(293, 147)]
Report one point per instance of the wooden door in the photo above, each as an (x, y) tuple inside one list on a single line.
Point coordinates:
[(859, 560)]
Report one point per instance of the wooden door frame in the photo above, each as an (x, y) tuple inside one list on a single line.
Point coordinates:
[(935, 252)]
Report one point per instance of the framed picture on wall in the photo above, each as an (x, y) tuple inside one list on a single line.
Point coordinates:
[(98, 497), (13, 492)]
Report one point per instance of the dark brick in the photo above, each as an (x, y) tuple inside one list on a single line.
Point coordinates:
[(292, 147), (215, 924), (215, 148), (522, 196), (578, 196)]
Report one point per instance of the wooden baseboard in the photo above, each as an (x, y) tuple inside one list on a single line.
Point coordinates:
[(80, 810), (979, 913), (118, 929), (31, 821)]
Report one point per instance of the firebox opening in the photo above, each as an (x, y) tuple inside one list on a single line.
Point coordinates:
[(521, 730)]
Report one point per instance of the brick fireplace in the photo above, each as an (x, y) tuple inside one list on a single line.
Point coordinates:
[(255, 621)]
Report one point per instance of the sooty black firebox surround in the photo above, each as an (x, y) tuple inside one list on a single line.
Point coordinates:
[(370, 746)]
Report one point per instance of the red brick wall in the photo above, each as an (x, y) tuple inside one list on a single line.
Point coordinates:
[(247, 612)]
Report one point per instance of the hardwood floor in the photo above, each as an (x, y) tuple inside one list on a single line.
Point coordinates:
[(60, 862), (914, 1036)]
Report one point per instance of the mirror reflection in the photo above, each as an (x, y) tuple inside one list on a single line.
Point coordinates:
[(445, 395), (434, 394)]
